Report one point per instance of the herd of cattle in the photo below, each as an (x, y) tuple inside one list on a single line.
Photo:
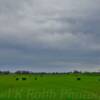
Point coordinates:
[(24, 78)]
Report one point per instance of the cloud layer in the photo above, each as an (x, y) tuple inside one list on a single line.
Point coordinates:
[(50, 34)]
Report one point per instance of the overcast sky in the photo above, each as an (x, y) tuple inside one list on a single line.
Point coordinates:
[(50, 35)]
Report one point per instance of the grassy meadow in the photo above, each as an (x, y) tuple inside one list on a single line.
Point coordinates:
[(49, 87)]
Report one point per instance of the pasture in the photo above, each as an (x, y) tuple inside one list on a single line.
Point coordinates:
[(49, 87)]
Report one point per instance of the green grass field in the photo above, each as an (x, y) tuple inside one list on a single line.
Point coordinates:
[(50, 87)]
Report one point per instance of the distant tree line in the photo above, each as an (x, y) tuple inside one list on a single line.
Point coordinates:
[(5, 72), (49, 73)]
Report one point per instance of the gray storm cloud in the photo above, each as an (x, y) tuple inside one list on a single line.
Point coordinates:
[(67, 26), (48, 21)]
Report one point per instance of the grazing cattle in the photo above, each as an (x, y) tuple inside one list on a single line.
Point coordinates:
[(35, 78), (17, 78), (78, 78), (24, 78)]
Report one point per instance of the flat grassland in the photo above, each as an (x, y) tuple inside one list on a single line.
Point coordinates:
[(49, 87)]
